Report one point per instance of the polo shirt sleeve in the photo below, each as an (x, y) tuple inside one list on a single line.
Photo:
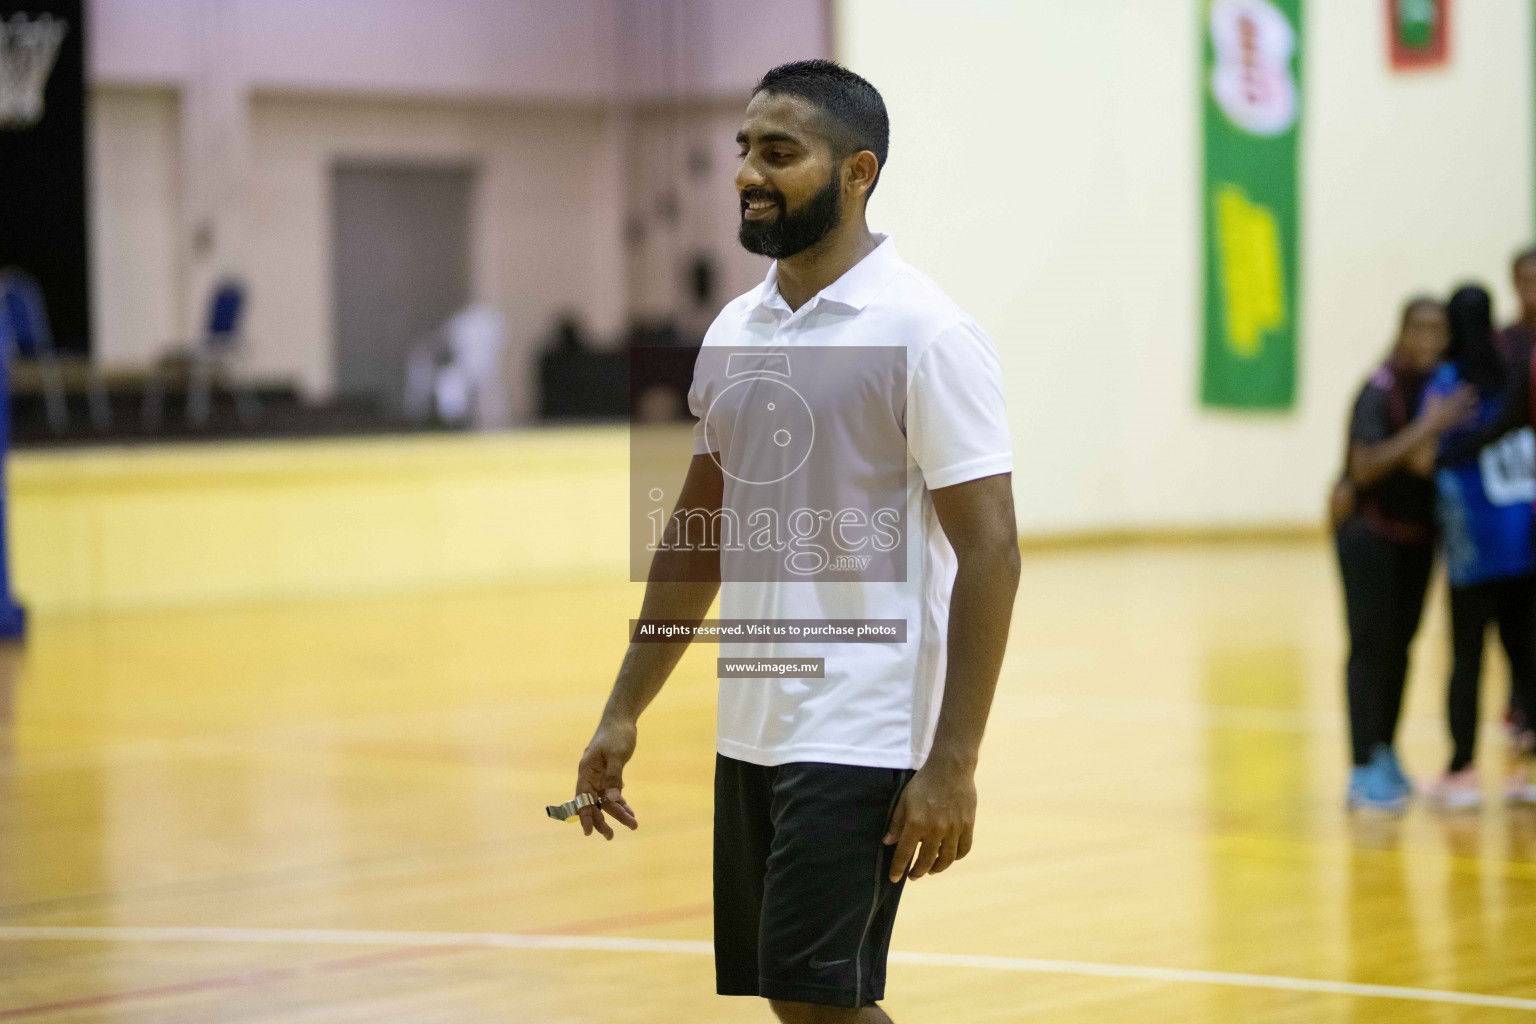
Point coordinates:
[(701, 446), (957, 422)]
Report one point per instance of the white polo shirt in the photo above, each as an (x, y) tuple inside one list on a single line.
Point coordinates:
[(877, 704)]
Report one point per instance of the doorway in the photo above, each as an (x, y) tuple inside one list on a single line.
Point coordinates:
[(402, 266)]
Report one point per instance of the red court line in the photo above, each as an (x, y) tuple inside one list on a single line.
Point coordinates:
[(390, 956), (248, 979), (363, 961)]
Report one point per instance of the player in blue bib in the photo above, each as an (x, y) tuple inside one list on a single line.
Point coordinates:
[(1484, 508)]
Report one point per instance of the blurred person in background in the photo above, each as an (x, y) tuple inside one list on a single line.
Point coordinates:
[(1485, 518), (456, 373), (1521, 333), (1518, 343), (1385, 508), (1520, 336)]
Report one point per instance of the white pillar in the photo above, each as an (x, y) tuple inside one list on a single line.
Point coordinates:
[(216, 157)]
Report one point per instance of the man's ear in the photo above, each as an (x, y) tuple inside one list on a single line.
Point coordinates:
[(859, 171)]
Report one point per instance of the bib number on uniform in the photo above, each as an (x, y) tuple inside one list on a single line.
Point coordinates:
[(1509, 469)]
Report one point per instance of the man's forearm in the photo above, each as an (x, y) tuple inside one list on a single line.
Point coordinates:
[(682, 584), (980, 607), (646, 666)]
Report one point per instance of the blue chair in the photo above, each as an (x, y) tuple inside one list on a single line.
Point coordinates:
[(207, 359), (28, 335)]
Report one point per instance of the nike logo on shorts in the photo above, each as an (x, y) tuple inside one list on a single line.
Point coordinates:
[(818, 964)]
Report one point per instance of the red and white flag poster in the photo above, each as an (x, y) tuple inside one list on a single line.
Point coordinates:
[(1418, 33)]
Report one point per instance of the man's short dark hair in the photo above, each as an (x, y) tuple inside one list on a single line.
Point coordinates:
[(1522, 257), (853, 112)]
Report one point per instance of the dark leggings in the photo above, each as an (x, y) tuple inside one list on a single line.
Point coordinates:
[(1511, 603), (1384, 585)]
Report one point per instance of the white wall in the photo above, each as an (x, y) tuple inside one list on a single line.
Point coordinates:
[(1044, 168), (547, 221), (133, 187), (713, 48), (542, 234), (690, 154), (487, 49), (507, 48), (216, 121)]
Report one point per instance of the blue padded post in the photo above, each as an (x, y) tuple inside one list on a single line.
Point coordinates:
[(13, 618), (20, 331)]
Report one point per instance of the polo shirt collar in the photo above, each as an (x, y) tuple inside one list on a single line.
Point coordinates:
[(857, 287)]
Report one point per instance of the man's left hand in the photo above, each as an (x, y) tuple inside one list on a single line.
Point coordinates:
[(934, 819)]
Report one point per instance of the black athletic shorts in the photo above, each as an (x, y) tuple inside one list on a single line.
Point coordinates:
[(803, 899)]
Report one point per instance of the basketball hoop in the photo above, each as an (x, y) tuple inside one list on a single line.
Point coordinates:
[(28, 50)]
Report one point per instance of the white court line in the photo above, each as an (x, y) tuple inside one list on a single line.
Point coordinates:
[(499, 940)]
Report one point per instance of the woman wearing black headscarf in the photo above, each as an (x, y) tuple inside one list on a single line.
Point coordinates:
[(1485, 515)]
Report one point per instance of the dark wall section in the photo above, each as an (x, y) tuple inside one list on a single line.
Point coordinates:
[(42, 165)]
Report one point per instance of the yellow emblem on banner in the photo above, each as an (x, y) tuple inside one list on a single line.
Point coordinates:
[(1249, 239)]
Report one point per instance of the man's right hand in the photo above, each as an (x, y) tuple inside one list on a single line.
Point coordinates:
[(602, 772)]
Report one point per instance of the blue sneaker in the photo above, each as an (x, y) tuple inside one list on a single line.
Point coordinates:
[(1394, 769), (1359, 776), (1371, 788)]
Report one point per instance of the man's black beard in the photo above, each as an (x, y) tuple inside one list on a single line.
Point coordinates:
[(790, 234)]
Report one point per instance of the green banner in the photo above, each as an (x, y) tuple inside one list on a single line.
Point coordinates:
[(1417, 23), (1252, 119)]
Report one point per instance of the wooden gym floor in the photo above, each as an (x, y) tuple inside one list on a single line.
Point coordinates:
[(333, 812)]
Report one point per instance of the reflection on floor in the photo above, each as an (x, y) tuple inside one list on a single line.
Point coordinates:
[(1161, 787)]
